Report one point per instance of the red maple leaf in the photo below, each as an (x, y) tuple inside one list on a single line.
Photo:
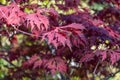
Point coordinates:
[(56, 64), (87, 57), (115, 56), (37, 63), (55, 38), (112, 33), (12, 14), (33, 59), (36, 20), (102, 53), (62, 35)]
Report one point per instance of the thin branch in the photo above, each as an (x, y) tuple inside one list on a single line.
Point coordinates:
[(94, 72), (17, 28), (23, 31)]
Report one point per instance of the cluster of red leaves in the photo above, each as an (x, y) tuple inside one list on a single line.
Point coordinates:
[(71, 36), (114, 55), (11, 14), (64, 35), (52, 64)]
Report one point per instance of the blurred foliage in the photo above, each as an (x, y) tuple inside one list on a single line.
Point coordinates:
[(3, 68), (3, 1), (116, 77), (97, 6), (47, 3)]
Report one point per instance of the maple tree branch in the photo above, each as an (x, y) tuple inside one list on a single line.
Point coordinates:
[(94, 72), (29, 34), (17, 28), (22, 31)]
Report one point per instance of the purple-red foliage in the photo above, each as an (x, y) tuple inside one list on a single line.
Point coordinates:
[(60, 37)]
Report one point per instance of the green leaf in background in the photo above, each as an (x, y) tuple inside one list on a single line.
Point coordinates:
[(33, 1), (75, 78), (116, 77), (27, 10), (3, 62), (3, 69), (26, 78), (3, 1), (97, 6)]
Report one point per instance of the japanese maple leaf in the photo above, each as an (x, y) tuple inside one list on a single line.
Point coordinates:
[(115, 56), (61, 35), (102, 53), (73, 26), (77, 35), (33, 59), (38, 63), (36, 20), (56, 64), (55, 38), (87, 57), (12, 14), (112, 33)]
